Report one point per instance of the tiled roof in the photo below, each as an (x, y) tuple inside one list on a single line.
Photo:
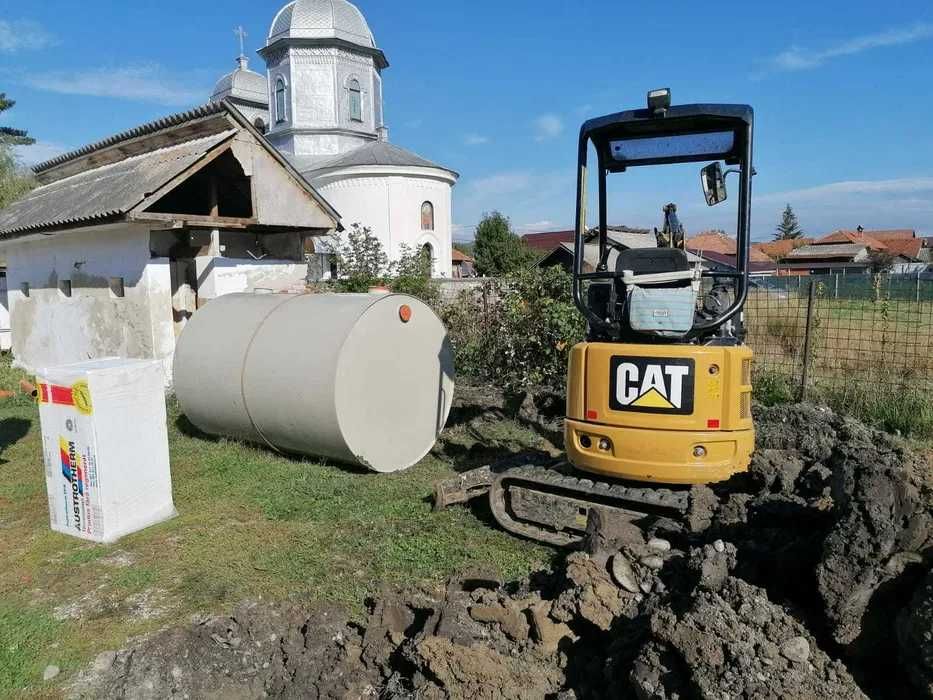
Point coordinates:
[(459, 256), (626, 235), (885, 235), (862, 239), (908, 247), (778, 249), (547, 240), (729, 260), (716, 242)]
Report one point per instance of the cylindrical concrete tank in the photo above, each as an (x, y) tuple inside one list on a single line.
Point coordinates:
[(360, 378)]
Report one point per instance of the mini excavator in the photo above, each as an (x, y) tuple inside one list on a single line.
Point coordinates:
[(659, 393)]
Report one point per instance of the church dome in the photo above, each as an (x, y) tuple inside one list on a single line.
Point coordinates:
[(243, 84), (322, 19)]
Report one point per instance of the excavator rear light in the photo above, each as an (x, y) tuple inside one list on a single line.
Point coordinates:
[(605, 445), (699, 451), (585, 442)]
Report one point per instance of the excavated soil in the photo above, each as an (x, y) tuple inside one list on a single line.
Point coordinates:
[(808, 577)]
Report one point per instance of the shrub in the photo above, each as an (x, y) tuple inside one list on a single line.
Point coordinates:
[(361, 261), (517, 333)]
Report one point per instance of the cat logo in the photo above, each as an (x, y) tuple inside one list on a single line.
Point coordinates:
[(651, 384)]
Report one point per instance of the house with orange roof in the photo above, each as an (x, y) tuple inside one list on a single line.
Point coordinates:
[(852, 251)]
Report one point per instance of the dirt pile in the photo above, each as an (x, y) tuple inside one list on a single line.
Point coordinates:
[(793, 574)]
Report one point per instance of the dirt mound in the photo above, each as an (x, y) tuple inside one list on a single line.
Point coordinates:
[(809, 576)]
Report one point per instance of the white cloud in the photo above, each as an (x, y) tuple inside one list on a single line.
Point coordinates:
[(548, 126), (799, 58), (500, 183), (853, 189), (475, 140), (23, 35), (537, 226), (140, 83), (39, 152)]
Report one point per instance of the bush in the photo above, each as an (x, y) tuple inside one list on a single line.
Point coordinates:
[(517, 332), (361, 261)]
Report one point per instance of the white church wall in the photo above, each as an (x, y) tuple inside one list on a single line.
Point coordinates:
[(391, 206), (52, 328)]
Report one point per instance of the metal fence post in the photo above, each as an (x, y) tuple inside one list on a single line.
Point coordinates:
[(807, 340)]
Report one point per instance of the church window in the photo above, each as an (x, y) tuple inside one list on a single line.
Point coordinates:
[(427, 217), (281, 91), (356, 101)]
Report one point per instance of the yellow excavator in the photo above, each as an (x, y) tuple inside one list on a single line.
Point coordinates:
[(659, 394)]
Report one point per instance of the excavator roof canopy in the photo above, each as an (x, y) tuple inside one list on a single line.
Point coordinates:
[(676, 134)]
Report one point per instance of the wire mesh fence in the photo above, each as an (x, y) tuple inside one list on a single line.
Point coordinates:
[(861, 342)]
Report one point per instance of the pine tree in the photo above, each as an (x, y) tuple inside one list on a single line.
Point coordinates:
[(789, 228), (8, 135), (498, 250)]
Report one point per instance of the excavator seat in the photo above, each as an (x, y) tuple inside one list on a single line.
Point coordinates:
[(653, 293)]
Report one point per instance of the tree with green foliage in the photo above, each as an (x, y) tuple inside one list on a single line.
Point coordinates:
[(361, 260), (8, 135), (411, 274), (15, 181), (881, 261), (789, 228), (498, 250)]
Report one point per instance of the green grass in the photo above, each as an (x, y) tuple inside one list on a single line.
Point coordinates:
[(251, 523)]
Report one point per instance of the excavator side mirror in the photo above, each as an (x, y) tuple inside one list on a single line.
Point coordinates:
[(714, 184)]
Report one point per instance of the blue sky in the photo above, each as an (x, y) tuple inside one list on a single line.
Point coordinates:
[(843, 93)]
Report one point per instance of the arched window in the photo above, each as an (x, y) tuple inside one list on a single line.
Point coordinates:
[(281, 92), (427, 217), (356, 100)]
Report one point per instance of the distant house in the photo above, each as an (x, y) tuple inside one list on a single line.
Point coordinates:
[(546, 241), (776, 250), (718, 252), (619, 238), (462, 265), (849, 252)]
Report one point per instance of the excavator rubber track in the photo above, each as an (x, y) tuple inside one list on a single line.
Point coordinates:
[(548, 503)]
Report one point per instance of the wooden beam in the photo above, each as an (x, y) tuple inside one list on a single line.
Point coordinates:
[(197, 221)]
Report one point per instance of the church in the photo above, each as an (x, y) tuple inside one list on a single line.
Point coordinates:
[(319, 104)]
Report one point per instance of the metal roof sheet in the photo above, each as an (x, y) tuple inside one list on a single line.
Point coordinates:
[(375, 153), (831, 250), (105, 192)]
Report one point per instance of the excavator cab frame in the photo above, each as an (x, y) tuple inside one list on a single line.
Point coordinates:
[(663, 134)]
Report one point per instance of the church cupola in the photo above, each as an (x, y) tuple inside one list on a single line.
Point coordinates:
[(245, 89), (324, 79)]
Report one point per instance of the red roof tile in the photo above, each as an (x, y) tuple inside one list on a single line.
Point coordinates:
[(851, 237), (894, 234), (909, 248), (778, 249), (716, 242), (459, 256), (548, 240)]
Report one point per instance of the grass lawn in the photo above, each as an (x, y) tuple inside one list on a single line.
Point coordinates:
[(250, 524)]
